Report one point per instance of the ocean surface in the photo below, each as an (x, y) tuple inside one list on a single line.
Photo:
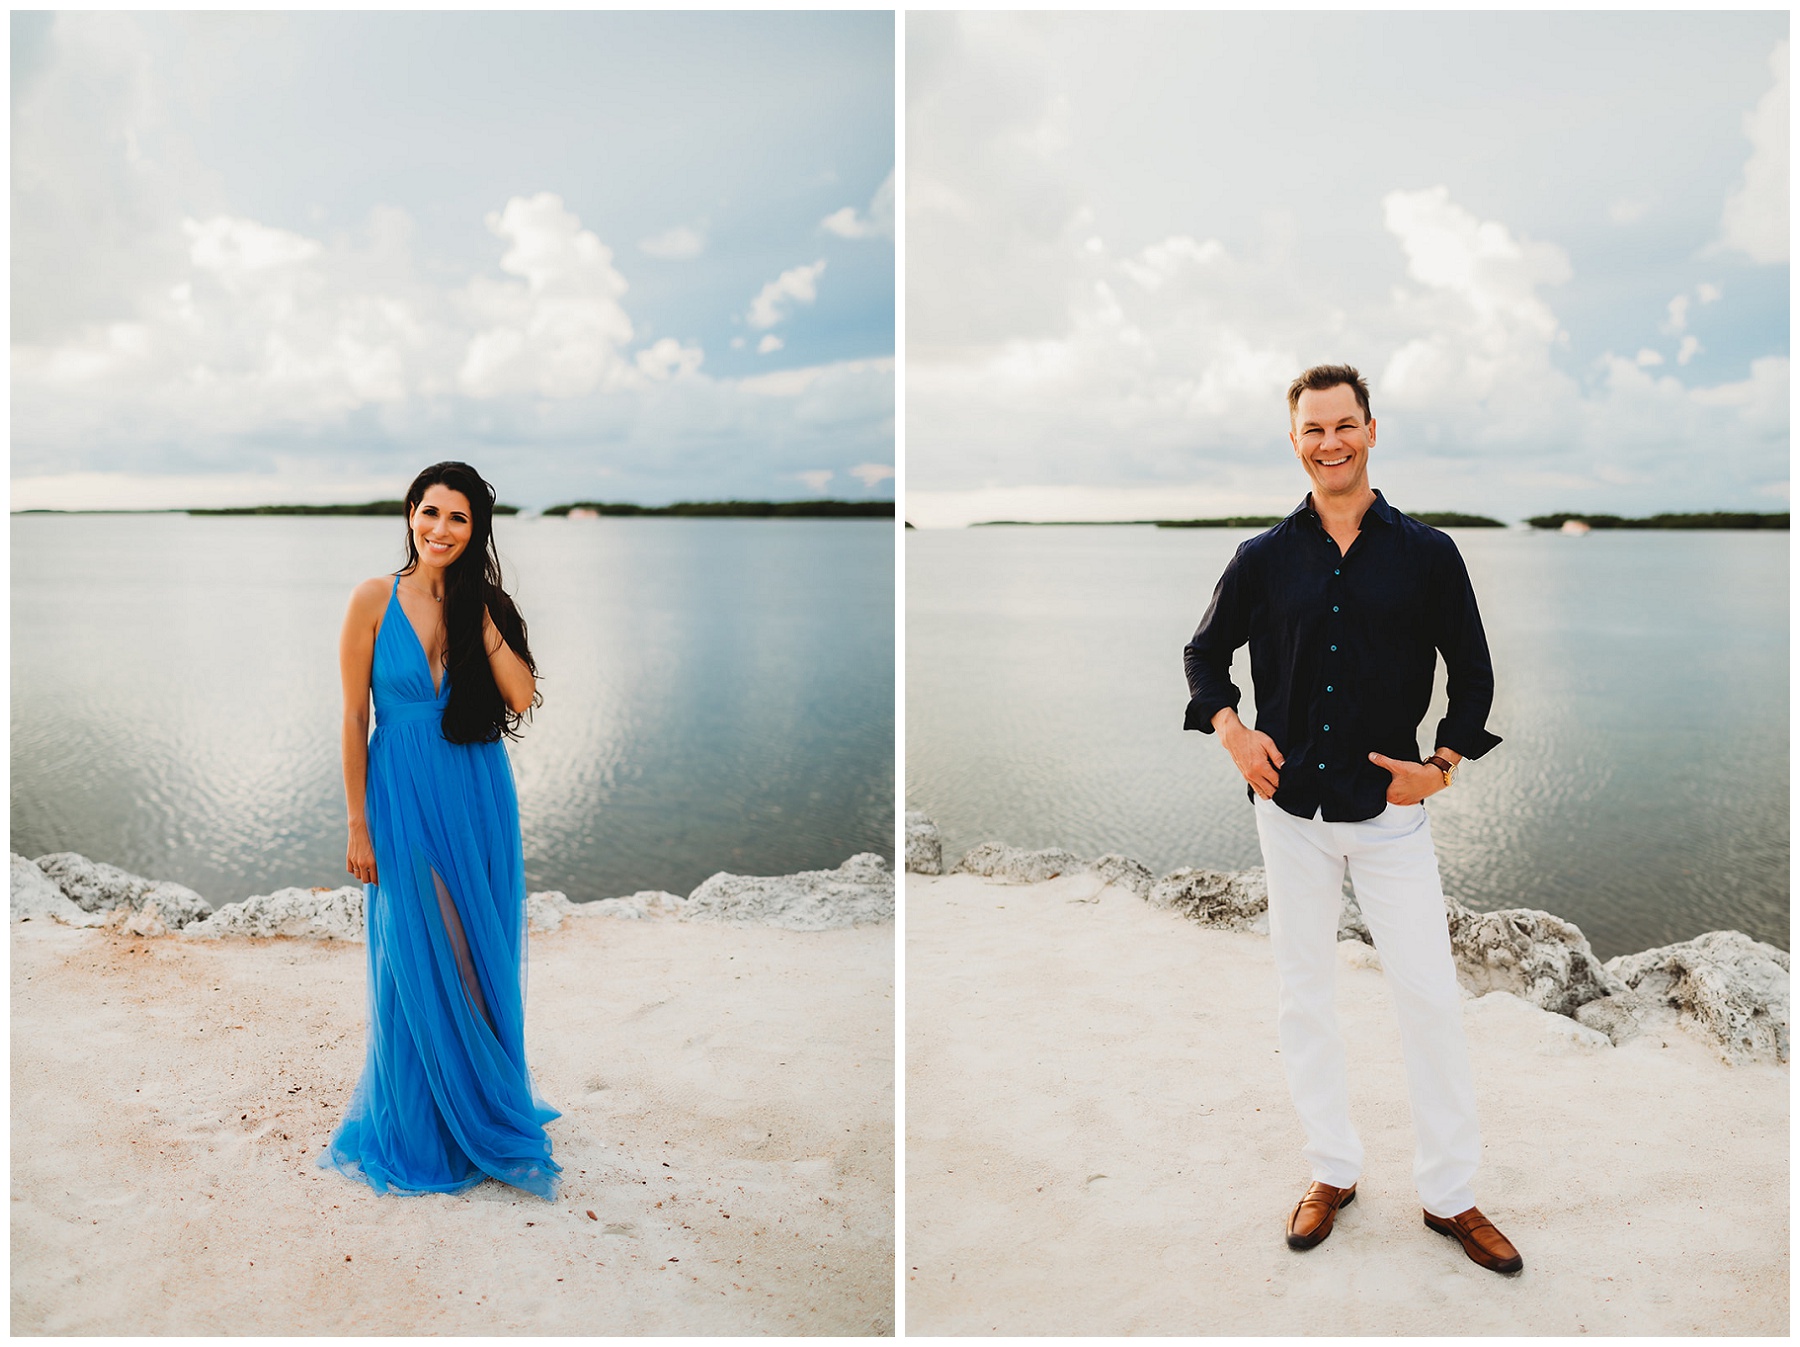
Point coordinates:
[(718, 695), (1641, 791)]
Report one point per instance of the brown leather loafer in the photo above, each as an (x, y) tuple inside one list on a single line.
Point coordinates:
[(1481, 1239), (1311, 1219)]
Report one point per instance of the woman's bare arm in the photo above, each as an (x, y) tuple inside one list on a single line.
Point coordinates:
[(515, 681), (356, 658)]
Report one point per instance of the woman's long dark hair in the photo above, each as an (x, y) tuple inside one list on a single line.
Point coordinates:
[(476, 713)]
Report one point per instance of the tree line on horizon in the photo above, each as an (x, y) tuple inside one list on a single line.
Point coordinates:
[(1444, 519), (746, 509)]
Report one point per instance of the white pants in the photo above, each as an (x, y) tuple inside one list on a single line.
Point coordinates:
[(1394, 870)]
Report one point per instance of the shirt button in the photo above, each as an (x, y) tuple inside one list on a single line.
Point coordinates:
[(1328, 729), (1337, 572), (1334, 647), (1328, 687), (1334, 608), (1321, 767)]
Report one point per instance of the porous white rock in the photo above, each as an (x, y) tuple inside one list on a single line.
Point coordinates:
[(1014, 865), (546, 911), (1730, 989), (924, 848), (36, 895), (313, 914), (858, 891), (95, 886), (649, 904), (1535, 956), (1351, 925), (1555, 1035), (146, 920), (1233, 900), (1126, 873)]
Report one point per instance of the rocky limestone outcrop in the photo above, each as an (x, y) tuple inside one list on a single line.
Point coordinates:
[(1535, 956), (1233, 900), (95, 886), (645, 905), (309, 914), (548, 910), (924, 848), (859, 891), (1351, 925), (1015, 865), (1728, 988), (36, 896), (1126, 873)]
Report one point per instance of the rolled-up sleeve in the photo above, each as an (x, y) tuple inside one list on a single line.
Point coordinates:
[(1207, 657), (1469, 672)]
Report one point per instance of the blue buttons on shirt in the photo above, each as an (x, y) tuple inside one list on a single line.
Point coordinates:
[(1334, 647), (1328, 687), (1334, 607), (1321, 767), (1328, 729), (1337, 572)]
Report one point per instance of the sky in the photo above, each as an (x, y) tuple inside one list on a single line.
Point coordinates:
[(295, 257), (1555, 244)]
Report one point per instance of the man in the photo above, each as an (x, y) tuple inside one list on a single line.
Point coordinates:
[(1345, 605)]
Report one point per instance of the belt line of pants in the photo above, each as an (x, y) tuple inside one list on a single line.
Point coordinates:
[(1393, 868)]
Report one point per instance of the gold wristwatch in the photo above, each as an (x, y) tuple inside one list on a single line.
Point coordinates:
[(1447, 768)]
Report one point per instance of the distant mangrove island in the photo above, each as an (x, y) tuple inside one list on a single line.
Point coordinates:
[(1441, 519), (740, 509), (705, 509), (1715, 520)]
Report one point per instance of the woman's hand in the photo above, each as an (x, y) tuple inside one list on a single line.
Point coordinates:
[(517, 684), (360, 856)]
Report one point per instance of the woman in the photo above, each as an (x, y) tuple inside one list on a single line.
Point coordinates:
[(445, 1099)]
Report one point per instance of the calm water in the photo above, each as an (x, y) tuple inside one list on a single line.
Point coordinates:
[(1641, 791), (718, 695)]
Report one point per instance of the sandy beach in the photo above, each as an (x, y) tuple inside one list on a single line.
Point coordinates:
[(1099, 1140), (727, 1141)]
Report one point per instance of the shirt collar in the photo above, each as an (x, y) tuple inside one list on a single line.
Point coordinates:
[(1379, 512)]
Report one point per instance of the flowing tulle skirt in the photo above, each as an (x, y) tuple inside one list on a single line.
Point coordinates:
[(445, 1099)]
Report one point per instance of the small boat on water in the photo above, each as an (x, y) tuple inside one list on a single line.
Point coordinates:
[(1576, 526)]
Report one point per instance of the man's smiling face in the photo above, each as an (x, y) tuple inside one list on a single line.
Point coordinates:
[(1332, 441)]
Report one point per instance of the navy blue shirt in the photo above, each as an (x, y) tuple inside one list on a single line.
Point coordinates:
[(1342, 652)]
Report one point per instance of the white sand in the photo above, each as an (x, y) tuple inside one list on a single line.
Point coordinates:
[(1099, 1140), (728, 1118)]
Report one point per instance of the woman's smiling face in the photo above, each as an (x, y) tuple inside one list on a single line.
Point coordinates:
[(441, 525)]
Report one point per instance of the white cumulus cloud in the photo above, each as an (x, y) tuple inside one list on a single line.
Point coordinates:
[(560, 333), (1484, 331), (877, 223), (869, 474), (233, 249), (797, 285), (1755, 220), (769, 343), (665, 358), (677, 243), (816, 480)]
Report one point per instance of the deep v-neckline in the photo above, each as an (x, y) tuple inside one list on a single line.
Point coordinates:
[(437, 688)]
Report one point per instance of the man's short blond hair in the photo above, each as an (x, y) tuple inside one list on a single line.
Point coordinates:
[(1321, 377)]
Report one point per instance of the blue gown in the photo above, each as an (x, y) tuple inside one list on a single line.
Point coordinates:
[(445, 1099)]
